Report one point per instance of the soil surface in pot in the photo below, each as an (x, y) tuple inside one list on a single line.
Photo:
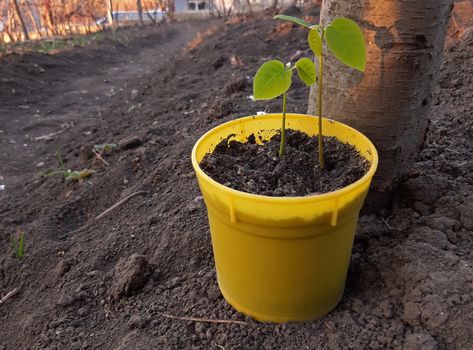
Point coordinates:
[(257, 168)]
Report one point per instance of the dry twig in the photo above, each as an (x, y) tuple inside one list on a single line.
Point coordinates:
[(99, 157), (50, 136), (386, 222), (198, 319), (9, 295), (90, 222)]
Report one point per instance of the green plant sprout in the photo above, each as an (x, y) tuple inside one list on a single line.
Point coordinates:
[(345, 39), (274, 79), (18, 245), (69, 175)]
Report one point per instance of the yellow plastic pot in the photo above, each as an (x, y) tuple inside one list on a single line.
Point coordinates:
[(282, 259)]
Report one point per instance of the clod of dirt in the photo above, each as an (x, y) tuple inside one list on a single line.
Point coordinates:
[(236, 85), (63, 267), (411, 313), (136, 322), (219, 62), (442, 223), (130, 275), (76, 346), (427, 188), (213, 293), (258, 169), (130, 142), (435, 237), (420, 341), (466, 213), (220, 108), (83, 311)]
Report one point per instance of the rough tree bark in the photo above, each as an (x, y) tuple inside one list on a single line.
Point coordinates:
[(389, 102), (22, 21)]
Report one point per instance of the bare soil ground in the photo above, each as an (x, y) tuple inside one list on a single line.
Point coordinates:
[(91, 281)]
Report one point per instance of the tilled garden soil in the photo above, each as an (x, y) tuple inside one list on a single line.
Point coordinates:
[(100, 276)]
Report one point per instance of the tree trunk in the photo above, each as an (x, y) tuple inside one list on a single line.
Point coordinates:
[(22, 21), (110, 14), (66, 17), (390, 101), (274, 4), (46, 19), (150, 17), (32, 19), (139, 7), (248, 3)]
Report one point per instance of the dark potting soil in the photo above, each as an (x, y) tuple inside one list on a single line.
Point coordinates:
[(258, 169)]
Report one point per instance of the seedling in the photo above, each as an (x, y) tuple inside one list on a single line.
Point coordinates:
[(345, 39), (274, 79), (69, 175), (18, 245)]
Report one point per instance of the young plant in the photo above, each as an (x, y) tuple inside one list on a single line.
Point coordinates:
[(69, 175), (345, 39), (274, 79), (18, 245)]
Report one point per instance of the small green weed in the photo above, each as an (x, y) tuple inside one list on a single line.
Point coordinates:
[(69, 175), (18, 244)]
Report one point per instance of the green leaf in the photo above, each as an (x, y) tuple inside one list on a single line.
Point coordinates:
[(315, 42), (345, 38), (271, 80), (295, 20), (306, 70)]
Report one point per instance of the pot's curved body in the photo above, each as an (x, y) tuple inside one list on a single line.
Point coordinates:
[(282, 259)]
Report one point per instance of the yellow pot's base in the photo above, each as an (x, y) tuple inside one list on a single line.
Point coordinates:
[(329, 306)]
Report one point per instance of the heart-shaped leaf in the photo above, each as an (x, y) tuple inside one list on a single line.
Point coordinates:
[(271, 80), (296, 20), (345, 39), (306, 70), (315, 42)]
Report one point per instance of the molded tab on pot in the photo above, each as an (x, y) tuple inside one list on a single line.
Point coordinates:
[(233, 218), (333, 220)]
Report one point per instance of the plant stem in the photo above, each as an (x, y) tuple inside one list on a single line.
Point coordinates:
[(283, 127), (321, 149)]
